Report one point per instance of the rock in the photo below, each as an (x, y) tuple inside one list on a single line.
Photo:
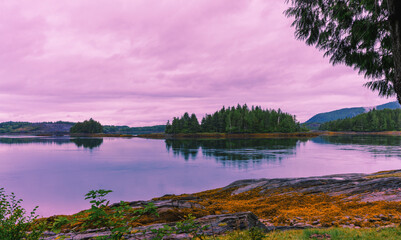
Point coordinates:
[(303, 225), (214, 225), (248, 187), (368, 188), (171, 203), (320, 236)]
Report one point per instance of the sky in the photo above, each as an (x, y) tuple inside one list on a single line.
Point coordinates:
[(143, 62)]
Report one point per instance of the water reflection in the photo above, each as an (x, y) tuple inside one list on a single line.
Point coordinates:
[(89, 143), (377, 145), (378, 140), (54, 173), (235, 152)]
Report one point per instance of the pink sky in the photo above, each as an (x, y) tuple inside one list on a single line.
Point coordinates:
[(142, 62)]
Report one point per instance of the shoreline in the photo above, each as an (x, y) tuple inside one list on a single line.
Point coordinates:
[(352, 200), (310, 134)]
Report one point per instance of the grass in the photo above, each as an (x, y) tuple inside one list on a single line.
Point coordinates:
[(308, 234)]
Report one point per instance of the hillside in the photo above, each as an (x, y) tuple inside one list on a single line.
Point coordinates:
[(372, 121), (315, 121), (37, 128), (61, 127)]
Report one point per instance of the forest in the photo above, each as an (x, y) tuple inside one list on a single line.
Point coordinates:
[(238, 119), (372, 121), (87, 126)]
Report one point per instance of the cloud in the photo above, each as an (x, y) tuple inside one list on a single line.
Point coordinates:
[(144, 62)]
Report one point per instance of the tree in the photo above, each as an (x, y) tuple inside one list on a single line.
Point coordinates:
[(235, 120), (364, 34), (88, 126)]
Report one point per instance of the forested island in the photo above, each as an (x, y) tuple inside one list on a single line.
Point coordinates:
[(238, 119), (372, 121), (63, 127)]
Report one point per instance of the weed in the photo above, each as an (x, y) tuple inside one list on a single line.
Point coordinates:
[(14, 224)]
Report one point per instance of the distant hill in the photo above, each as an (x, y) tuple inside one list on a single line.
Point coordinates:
[(134, 130), (373, 121), (37, 128), (315, 121), (390, 105), (61, 127)]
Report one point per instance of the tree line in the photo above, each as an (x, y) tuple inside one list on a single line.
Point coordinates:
[(238, 119), (87, 126), (372, 121)]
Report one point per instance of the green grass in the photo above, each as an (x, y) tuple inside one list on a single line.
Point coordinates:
[(308, 234)]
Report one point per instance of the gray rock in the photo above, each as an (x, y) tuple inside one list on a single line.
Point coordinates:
[(369, 189), (214, 225)]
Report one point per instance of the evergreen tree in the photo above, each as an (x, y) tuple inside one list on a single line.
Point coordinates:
[(88, 126), (238, 119), (364, 34), (374, 121)]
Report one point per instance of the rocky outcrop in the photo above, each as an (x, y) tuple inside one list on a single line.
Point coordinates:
[(282, 203), (370, 187), (209, 225)]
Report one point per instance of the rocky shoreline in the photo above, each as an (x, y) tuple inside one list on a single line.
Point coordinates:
[(341, 200)]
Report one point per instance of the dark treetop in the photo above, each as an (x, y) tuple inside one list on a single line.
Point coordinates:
[(88, 126), (373, 121), (364, 34), (238, 119)]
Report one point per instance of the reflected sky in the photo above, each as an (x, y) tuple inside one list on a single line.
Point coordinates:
[(55, 173)]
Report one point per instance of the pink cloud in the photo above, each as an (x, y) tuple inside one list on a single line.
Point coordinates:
[(144, 62)]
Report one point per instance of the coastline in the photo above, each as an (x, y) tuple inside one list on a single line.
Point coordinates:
[(343, 200), (310, 134)]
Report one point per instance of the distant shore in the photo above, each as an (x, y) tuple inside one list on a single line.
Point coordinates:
[(259, 135), (310, 134)]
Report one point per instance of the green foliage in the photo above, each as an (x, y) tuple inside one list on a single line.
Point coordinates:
[(115, 218), (58, 223), (134, 130), (391, 233), (236, 120), (256, 233), (188, 225), (98, 197), (98, 216), (354, 32), (14, 224), (253, 233), (88, 126), (373, 121)]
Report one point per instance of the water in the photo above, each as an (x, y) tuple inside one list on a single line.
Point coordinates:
[(55, 173)]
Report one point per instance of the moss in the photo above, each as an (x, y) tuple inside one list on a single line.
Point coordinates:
[(278, 207), (384, 174), (308, 234)]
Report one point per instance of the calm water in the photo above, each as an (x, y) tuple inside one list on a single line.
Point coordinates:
[(55, 173)]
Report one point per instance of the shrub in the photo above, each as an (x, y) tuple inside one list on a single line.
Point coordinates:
[(14, 224)]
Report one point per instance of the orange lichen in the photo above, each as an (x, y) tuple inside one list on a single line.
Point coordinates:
[(278, 207)]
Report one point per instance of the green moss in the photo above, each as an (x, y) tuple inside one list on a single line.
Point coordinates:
[(331, 233)]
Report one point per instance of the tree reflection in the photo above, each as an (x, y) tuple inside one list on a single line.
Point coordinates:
[(235, 152), (378, 140), (377, 145), (89, 143)]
